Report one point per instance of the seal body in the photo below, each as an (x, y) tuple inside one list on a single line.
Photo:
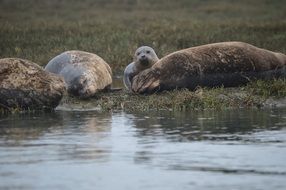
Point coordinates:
[(227, 64), (84, 73), (25, 85), (144, 58)]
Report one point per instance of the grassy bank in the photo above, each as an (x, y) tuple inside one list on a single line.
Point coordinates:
[(256, 94), (38, 30)]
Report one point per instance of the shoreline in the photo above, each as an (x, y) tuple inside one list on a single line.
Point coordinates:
[(257, 94)]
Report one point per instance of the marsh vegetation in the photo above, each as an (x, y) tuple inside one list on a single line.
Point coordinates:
[(39, 30)]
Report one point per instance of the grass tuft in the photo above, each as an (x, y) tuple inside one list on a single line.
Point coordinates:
[(266, 89)]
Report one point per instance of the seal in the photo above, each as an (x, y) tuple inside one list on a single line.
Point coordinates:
[(143, 58), (25, 85), (227, 64), (84, 73)]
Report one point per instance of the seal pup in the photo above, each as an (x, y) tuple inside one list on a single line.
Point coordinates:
[(143, 58), (84, 73), (227, 64)]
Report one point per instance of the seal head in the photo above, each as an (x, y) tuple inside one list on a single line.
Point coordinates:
[(144, 58)]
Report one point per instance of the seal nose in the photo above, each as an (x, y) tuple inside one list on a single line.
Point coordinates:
[(143, 56)]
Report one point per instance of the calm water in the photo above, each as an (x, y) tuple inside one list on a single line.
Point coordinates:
[(233, 149)]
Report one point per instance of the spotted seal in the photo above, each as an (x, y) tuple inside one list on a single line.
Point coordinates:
[(25, 85), (85, 73), (227, 64), (143, 58)]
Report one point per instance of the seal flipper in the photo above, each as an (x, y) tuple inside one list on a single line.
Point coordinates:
[(147, 82)]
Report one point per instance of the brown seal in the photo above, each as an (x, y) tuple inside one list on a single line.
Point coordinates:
[(227, 64), (25, 85), (85, 73)]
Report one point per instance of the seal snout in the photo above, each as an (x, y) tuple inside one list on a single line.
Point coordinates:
[(144, 60)]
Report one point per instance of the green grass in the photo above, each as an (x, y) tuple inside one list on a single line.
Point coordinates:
[(255, 94), (274, 88), (38, 30)]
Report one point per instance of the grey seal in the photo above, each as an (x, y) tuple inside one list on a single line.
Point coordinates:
[(144, 57), (85, 73)]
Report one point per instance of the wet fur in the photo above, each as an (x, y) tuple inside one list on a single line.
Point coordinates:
[(228, 63), (25, 85), (85, 73), (138, 64)]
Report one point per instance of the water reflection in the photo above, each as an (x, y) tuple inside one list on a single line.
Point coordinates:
[(208, 141), (208, 125), (14, 128), (237, 149), (94, 130), (62, 136)]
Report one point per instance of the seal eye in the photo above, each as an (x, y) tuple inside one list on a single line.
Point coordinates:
[(148, 51), (138, 53)]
